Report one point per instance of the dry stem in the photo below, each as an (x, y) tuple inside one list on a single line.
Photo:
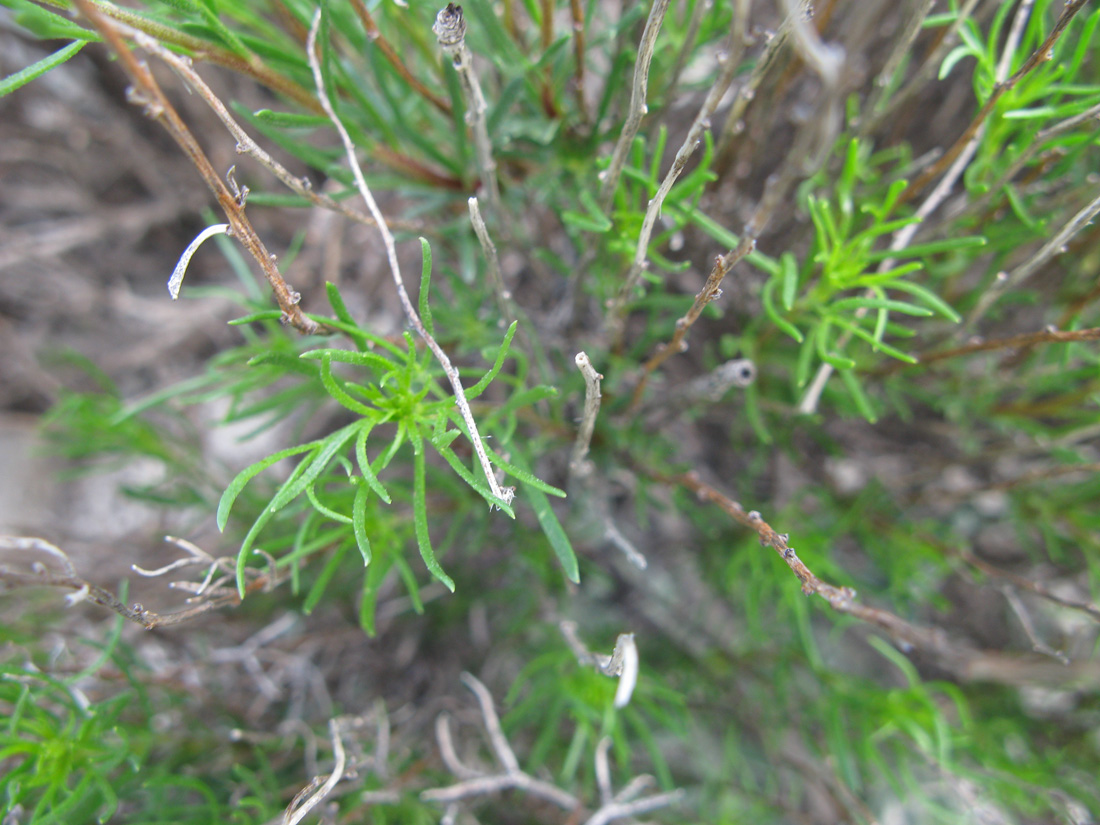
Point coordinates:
[(496, 277), (711, 291), (637, 103), (212, 596), (395, 269), (394, 59), (450, 28), (727, 62), (1040, 55), (147, 92), (591, 410), (967, 663)]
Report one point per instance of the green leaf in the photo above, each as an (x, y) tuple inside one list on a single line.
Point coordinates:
[(920, 250), (24, 76), (441, 444), (881, 303), (246, 475), (478, 388), (929, 297), (316, 465), (359, 522), (554, 532), (420, 523), (523, 475), (856, 391), (338, 393), (327, 572), (290, 120), (425, 286), (265, 315), (789, 268), (769, 308), (364, 463)]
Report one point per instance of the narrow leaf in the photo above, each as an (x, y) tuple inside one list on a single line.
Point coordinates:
[(24, 76), (246, 475), (420, 523), (359, 522)]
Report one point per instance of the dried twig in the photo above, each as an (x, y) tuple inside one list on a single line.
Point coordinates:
[(734, 125), (147, 92), (496, 277), (711, 291), (302, 187), (474, 783), (206, 598), (450, 29), (637, 110), (1037, 644), (313, 794), (505, 494), (876, 115), (1022, 341), (1035, 262), (394, 59), (727, 64), (1040, 55), (591, 410), (576, 10), (622, 663)]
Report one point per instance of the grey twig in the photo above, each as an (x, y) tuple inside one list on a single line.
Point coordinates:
[(637, 108), (727, 65), (496, 277), (711, 291), (875, 115), (622, 810), (1021, 273), (147, 92), (474, 784), (504, 494), (298, 810), (39, 575), (245, 144), (734, 124), (623, 661), (1037, 644), (450, 29), (591, 410), (501, 748)]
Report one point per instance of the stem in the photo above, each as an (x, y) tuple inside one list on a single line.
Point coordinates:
[(395, 268), (450, 29), (637, 103), (148, 92)]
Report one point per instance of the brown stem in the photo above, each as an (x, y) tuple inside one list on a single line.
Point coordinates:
[(711, 291), (157, 107), (395, 60), (577, 11), (1040, 55)]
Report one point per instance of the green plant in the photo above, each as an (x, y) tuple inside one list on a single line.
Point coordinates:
[(907, 285)]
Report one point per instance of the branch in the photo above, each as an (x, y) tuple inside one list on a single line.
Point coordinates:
[(505, 494), (711, 291), (591, 410), (965, 662), (637, 108), (207, 596), (450, 29), (728, 61), (391, 55), (1040, 55), (147, 92)]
